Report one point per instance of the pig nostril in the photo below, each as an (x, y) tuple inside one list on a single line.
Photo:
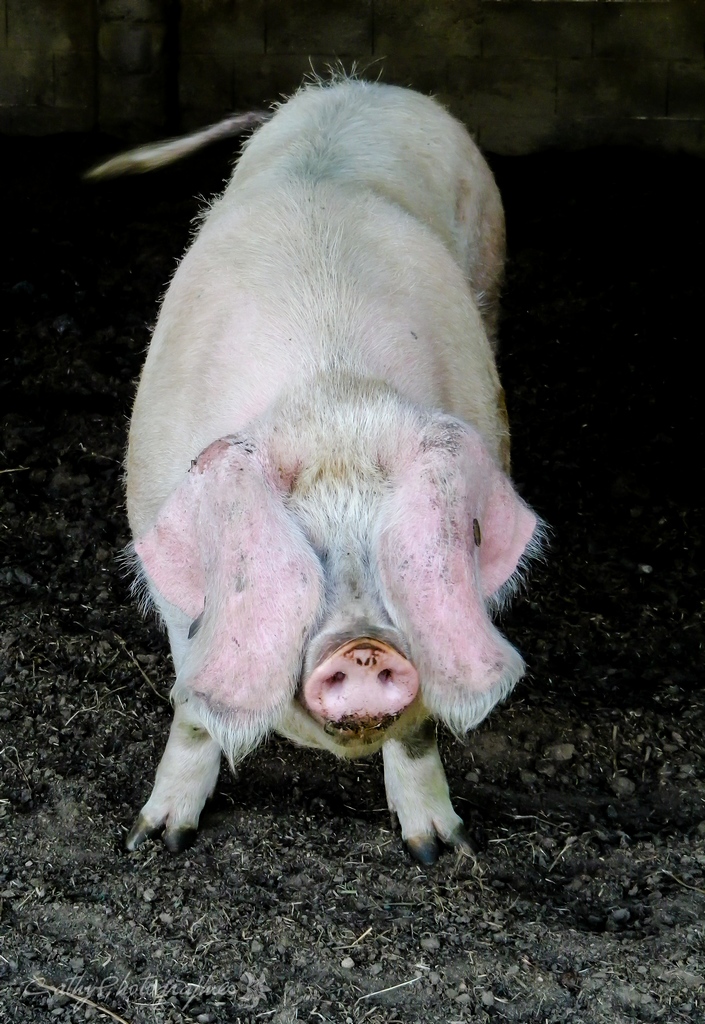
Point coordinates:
[(337, 678), (385, 675)]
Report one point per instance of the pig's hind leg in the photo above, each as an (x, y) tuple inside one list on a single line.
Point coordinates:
[(417, 793), (186, 777)]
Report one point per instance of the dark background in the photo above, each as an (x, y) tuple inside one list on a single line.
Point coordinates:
[(522, 74)]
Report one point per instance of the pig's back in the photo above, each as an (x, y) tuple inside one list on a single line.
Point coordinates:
[(397, 143), (293, 274)]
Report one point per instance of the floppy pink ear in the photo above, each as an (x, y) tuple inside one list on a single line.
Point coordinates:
[(226, 538), (171, 550), (454, 533), (505, 527)]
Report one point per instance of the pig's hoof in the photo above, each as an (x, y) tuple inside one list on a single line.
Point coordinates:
[(177, 840), (462, 841), (141, 830), (424, 849)]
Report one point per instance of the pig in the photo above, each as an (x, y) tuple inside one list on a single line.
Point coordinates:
[(318, 462)]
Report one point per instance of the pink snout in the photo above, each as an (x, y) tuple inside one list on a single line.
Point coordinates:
[(363, 681)]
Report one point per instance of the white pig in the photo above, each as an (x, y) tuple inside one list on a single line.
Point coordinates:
[(317, 466)]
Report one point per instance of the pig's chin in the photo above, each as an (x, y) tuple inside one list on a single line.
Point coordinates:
[(350, 737), (359, 730)]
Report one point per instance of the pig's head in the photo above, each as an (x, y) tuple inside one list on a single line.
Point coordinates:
[(351, 587)]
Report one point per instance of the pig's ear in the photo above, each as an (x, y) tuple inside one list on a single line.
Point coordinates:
[(225, 535), (170, 551), (454, 533), (505, 532)]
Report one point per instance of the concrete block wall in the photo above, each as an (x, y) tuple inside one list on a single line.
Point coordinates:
[(75, 65), (522, 74), (47, 66), (132, 66)]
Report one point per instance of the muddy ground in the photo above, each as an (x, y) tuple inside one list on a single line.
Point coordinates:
[(584, 793)]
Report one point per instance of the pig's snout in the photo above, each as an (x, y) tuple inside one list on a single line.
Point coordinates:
[(364, 682)]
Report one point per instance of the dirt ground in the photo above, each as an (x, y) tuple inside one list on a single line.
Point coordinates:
[(584, 792)]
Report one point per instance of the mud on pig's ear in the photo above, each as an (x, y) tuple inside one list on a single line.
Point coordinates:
[(226, 532)]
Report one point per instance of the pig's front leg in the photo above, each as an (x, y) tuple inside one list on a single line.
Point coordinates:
[(417, 792), (186, 777)]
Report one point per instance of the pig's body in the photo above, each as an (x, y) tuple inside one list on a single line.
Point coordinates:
[(345, 241), (334, 311)]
